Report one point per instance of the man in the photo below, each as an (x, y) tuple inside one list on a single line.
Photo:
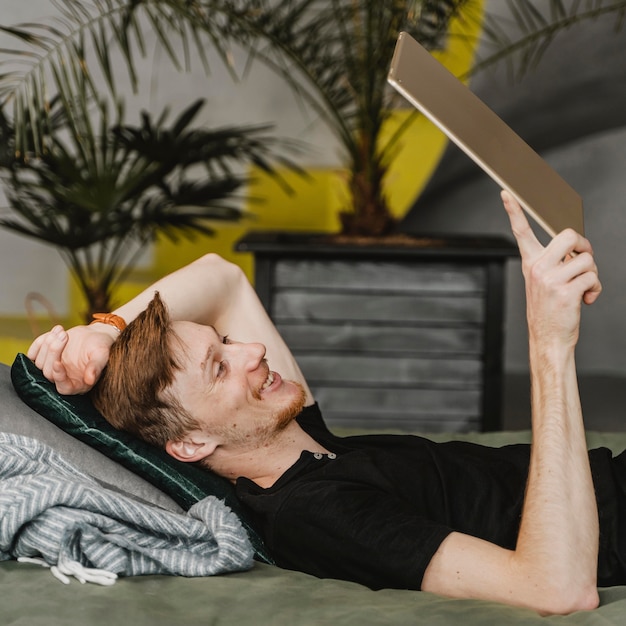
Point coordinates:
[(517, 525)]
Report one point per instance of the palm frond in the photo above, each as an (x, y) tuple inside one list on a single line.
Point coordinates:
[(63, 55), (98, 194), (340, 49)]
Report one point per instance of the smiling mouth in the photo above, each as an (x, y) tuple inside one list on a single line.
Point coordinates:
[(268, 381)]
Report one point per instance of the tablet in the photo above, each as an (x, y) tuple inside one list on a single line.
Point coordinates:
[(483, 136)]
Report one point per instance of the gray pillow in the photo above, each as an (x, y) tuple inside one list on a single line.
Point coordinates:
[(16, 417)]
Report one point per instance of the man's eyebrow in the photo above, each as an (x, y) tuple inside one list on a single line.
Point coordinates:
[(209, 353), (207, 356)]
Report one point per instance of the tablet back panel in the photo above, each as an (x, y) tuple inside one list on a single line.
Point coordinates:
[(478, 131)]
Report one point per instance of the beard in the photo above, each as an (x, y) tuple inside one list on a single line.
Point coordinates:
[(283, 418), (269, 428), (257, 438)]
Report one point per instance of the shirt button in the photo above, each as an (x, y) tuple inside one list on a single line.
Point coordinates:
[(332, 455), (318, 455)]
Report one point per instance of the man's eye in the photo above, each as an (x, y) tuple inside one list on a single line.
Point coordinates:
[(221, 369), (225, 339)]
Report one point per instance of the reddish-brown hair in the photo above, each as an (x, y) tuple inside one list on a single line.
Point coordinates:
[(133, 391)]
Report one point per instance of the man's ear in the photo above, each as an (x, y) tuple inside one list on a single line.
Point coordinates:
[(191, 448)]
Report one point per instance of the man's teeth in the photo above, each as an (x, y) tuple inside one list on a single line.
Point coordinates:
[(269, 381)]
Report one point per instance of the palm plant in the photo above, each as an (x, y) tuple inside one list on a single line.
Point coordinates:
[(334, 53), (99, 196), (336, 56)]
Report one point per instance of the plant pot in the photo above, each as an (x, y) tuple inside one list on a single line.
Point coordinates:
[(405, 335)]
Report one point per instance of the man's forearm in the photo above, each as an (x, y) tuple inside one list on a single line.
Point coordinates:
[(199, 292), (553, 566), (559, 529)]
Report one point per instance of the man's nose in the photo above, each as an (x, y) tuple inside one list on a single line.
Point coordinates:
[(251, 354)]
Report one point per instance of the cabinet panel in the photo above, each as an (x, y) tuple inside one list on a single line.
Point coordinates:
[(314, 306), (303, 336), (427, 409), (407, 371), (379, 276)]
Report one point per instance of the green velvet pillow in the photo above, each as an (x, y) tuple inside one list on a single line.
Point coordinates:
[(76, 415)]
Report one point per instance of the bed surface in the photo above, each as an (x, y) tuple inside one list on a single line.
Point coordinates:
[(264, 595)]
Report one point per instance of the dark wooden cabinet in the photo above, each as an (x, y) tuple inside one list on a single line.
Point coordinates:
[(406, 336)]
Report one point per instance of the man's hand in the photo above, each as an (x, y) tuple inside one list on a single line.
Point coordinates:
[(558, 278), (74, 359)]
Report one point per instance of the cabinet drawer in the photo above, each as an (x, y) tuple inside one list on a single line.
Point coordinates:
[(380, 276), (407, 409), (349, 336), (379, 371), (317, 306)]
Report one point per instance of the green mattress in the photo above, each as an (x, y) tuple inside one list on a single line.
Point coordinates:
[(265, 595)]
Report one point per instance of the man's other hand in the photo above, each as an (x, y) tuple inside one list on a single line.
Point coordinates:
[(73, 359)]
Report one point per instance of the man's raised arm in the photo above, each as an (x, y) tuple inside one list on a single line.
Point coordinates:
[(208, 291), (553, 568)]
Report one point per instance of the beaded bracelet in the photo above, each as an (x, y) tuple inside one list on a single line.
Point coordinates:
[(111, 319)]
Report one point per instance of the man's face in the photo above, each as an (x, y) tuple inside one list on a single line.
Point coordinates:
[(228, 387)]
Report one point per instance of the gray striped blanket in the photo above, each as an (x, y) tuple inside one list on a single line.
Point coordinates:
[(51, 511)]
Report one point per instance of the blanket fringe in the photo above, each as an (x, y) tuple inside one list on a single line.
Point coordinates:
[(82, 574)]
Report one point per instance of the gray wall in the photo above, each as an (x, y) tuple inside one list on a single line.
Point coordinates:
[(571, 109)]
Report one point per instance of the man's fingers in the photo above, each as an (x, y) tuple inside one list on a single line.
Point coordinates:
[(34, 348), (60, 378), (591, 295), (97, 362), (582, 268), (67, 385), (39, 349), (51, 353), (520, 227), (565, 245), (58, 371), (92, 373)]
